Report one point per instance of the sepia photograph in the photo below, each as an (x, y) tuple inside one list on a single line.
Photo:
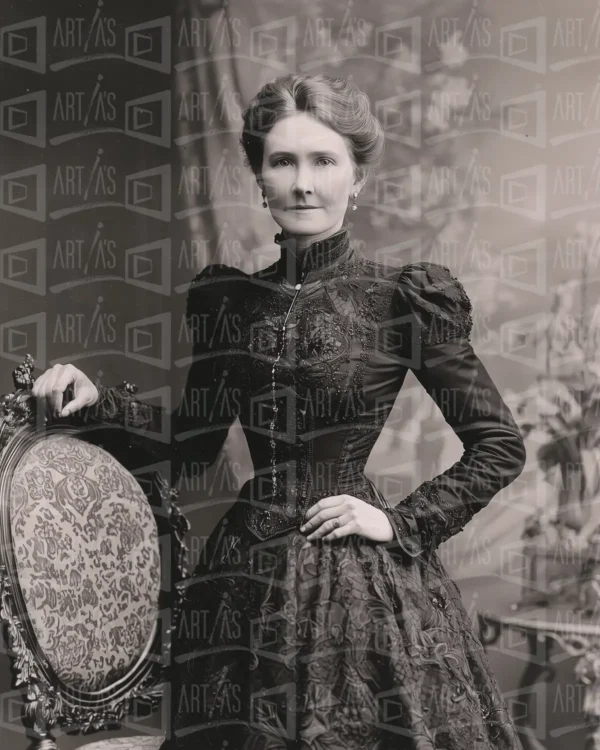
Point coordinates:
[(300, 375)]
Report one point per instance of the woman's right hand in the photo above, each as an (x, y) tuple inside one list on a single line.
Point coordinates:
[(50, 388)]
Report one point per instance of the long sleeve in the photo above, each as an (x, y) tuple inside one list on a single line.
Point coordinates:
[(435, 322), (191, 435)]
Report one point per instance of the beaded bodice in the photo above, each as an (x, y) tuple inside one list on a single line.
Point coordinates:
[(319, 362), (310, 355)]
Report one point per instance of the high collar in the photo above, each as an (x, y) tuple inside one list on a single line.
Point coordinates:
[(317, 256)]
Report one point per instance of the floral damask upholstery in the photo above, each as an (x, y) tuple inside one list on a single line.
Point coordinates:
[(91, 558), (87, 553)]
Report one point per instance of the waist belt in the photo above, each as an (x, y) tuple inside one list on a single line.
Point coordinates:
[(284, 512)]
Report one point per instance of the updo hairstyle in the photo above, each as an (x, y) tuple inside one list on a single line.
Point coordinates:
[(335, 102)]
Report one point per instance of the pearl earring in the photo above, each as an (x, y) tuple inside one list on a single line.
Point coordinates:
[(264, 195), (355, 196)]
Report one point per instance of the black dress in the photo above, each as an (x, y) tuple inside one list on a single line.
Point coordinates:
[(346, 644)]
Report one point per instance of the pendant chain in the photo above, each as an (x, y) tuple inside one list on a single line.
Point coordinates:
[(297, 287)]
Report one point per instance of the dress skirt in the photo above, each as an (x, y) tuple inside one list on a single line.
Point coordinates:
[(328, 645)]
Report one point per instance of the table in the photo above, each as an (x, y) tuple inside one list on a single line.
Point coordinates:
[(544, 627)]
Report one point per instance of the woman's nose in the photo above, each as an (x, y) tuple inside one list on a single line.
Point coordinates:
[(303, 181)]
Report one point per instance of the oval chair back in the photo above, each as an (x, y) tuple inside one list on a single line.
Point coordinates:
[(90, 553)]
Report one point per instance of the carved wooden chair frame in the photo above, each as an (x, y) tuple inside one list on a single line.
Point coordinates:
[(49, 702)]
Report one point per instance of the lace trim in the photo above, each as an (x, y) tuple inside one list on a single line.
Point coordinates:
[(421, 522)]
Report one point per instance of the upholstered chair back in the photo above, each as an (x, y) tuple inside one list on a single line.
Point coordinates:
[(88, 601)]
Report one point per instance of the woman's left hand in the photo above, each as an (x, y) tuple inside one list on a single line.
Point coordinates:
[(341, 515)]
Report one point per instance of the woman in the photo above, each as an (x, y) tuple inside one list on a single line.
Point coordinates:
[(323, 617)]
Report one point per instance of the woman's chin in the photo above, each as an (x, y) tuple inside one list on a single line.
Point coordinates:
[(302, 222)]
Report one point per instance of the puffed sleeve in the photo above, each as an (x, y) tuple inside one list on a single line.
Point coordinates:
[(434, 320), (195, 430)]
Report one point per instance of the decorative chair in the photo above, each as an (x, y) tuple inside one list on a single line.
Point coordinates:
[(90, 555)]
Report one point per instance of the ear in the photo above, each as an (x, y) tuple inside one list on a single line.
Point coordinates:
[(361, 175)]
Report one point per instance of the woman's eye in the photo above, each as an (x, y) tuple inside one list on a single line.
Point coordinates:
[(325, 159)]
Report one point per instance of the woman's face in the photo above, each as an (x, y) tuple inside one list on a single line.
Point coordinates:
[(305, 163)]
